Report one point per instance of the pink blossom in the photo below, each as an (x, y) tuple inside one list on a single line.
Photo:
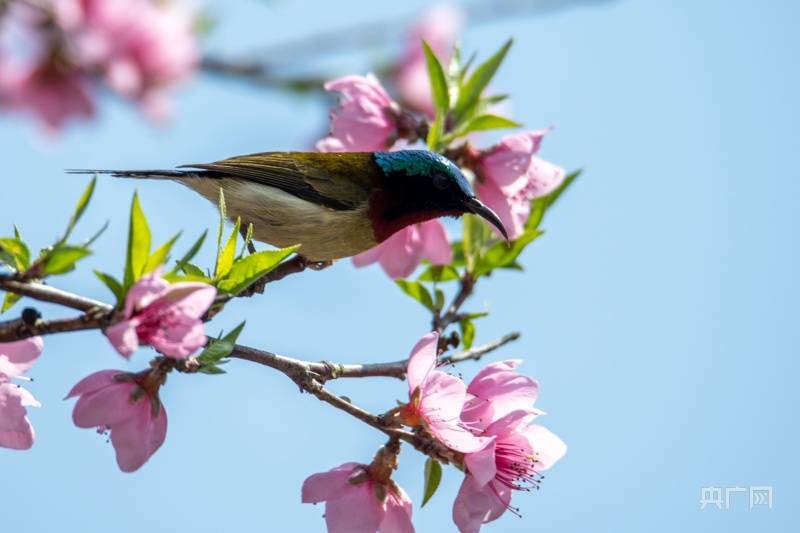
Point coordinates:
[(115, 401), (401, 253), (436, 399), (16, 358), (143, 48), (513, 460), (364, 120), (163, 315), (357, 503), (53, 93), (439, 27), (495, 391), (511, 176)]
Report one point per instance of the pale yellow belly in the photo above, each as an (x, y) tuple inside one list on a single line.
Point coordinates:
[(281, 219)]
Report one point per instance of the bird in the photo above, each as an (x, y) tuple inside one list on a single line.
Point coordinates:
[(335, 204)]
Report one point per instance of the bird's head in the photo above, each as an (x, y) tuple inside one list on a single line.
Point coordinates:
[(418, 185)]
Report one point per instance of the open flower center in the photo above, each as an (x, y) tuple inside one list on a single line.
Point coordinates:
[(516, 467), (156, 319)]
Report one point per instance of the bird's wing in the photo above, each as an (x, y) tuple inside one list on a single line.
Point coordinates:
[(336, 180)]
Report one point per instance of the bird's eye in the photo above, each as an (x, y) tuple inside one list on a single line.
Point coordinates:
[(440, 181)]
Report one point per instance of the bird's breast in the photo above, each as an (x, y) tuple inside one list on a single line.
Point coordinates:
[(282, 219)]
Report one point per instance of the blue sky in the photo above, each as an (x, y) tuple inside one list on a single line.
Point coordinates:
[(659, 312)]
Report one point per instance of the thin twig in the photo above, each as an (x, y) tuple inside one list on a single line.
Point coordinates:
[(466, 286), (46, 293)]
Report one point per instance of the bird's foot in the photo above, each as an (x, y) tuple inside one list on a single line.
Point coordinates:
[(319, 265)]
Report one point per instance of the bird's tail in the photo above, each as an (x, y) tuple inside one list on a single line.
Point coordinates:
[(141, 174)]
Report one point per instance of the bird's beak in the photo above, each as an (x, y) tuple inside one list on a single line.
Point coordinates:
[(473, 205)]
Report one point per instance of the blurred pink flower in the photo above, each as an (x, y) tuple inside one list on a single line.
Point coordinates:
[(364, 120), (510, 176), (354, 503), (51, 92), (401, 253), (112, 400), (495, 391), (439, 27), (16, 431), (436, 399), (143, 48), (513, 460), (163, 315), (140, 48)]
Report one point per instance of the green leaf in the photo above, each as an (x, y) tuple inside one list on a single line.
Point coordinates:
[(160, 256), (473, 88), (433, 476), (9, 300), (228, 253), (438, 80), (113, 285), (174, 277), (417, 291), (502, 253), (487, 122), (211, 369), (248, 238), (233, 335), (467, 327), (16, 252), (188, 256), (194, 270), (62, 259), (435, 133), (90, 240), (138, 243), (439, 273), (475, 235), (439, 302), (80, 208), (247, 270), (215, 350)]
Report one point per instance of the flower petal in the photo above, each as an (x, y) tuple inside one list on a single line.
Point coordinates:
[(421, 361), (180, 339), (104, 407), (144, 292), (367, 258), (122, 336), (327, 485), (356, 510), (440, 406), (135, 440), (497, 201), (547, 447), (17, 357), (476, 505), (16, 431), (191, 299), (481, 464), (401, 253), (93, 382), (398, 513), (498, 390), (435, 244)]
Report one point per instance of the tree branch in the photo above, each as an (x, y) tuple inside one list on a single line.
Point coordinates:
[(46, 293), (15, 330), (372, 34)]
